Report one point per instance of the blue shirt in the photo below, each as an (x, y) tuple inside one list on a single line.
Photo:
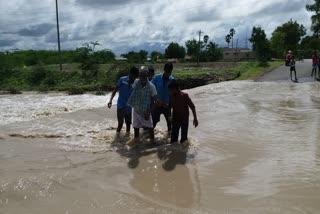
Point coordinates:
[(162, 87), (125, 88)]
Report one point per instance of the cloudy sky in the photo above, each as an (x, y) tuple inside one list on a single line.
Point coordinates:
[(123, 25)]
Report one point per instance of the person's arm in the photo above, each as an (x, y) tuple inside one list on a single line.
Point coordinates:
[(194, 112), (156, 103), (154, 97), (112, 96)]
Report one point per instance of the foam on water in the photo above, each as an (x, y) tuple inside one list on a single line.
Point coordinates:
[(28, 107)]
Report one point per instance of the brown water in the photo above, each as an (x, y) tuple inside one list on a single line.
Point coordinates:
[(257, 150)]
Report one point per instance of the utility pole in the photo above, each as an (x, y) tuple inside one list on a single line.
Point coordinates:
[(58, 35), (199, 49), (236, 57)]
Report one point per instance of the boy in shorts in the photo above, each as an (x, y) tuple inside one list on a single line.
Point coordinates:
[(181, 103), (293, 69)]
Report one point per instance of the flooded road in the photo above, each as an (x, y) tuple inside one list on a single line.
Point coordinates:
[(256, 150)]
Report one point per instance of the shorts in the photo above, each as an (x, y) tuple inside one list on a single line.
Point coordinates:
[(315, 66), (140, 122), (124, 116), (161, 110)]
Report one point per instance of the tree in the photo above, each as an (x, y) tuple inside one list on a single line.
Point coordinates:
[(278, 44), (315, 19), (104, 56), (143, 55), (287, 37), (155, 55), (174, 50), (206, 39), (94, 44), (232, 33), (136, 57), (308, 45), (211, 53), (228, 39), (260, 44), (192, 47)]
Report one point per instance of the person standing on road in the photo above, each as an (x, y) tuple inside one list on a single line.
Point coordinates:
[(161, 82), (288, 58), (314, 64), (293, 69)]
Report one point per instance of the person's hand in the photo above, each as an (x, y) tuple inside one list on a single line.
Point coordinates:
[(195, 122), (109, 104), (147, 115)]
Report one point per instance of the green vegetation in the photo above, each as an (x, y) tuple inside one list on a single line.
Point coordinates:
[(174, 50), (315, 19), (252, 70), (287, 37), (44, 78), (260, 45)]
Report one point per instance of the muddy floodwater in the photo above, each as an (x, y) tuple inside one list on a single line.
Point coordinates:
[(256, 150)]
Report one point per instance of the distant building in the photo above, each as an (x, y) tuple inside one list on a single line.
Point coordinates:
[(238, 54), (121, 59), (188, 58), (173, 60)]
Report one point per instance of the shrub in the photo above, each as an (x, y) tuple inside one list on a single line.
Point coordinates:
[(13, 90), (75, 91), (99, 93), (36, 75)]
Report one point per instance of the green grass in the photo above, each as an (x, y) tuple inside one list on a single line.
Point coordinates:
[(252, 70), (45, 78)]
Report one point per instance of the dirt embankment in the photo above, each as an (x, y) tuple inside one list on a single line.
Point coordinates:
[(205, 79)]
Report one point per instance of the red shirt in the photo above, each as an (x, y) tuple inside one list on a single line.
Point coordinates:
[(314, 59), (181, 103)]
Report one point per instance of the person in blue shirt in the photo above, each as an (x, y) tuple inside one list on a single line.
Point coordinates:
[(124, 86), (161, 82)]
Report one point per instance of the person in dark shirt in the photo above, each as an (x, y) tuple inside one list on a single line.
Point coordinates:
[(180, 102), (293, 69), (314, 64), (150, 73), (124, 86)]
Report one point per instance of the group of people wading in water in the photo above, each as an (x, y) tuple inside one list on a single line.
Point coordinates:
[(150, 96)]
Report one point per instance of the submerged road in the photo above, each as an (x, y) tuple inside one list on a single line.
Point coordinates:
[(282, 73)]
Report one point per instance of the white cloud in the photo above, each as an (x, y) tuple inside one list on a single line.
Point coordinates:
[(129, 24)]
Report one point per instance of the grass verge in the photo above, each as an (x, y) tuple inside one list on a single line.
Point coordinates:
[(253, 70)]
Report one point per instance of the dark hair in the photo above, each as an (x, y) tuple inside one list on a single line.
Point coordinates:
[(151, 69), (174, 85), (168, 67), (134, 71)]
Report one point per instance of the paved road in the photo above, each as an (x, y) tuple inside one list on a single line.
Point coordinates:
[(282, 73)]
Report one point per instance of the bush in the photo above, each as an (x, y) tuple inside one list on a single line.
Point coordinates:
[(36, 75), (75, 91), (13, 90), (122, 70), (99, 93)]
